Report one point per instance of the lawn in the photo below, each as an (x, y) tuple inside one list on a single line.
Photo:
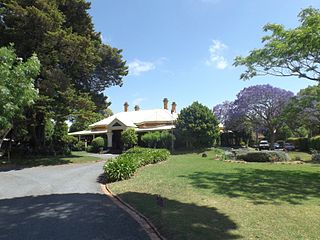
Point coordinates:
[(75, 157), (210, 199), (300, 155)]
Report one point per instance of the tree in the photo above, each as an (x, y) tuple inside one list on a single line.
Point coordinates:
[(16, 87), (129, 137), (198, 126), (240, 128), (262, 106), (287, 52), (302, 113), (72, 55)]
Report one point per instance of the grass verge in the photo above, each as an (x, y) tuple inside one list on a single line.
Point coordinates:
[(209, 199)]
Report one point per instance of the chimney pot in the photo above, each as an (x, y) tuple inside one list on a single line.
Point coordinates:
[(174, 106), (136, 108), (126, 105), (165, 103)]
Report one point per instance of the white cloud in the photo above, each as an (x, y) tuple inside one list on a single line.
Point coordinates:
[(137, 67), (216, 57), (138, 101)]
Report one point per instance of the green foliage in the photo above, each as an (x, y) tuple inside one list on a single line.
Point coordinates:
[(264, 156), (16, 86), (198, 126), (98, 144), (151, 139), (302, 143), (72, 55), (79, 146), (125, 165), (315, 143), (287, 52), (129, 138), (158, 139)]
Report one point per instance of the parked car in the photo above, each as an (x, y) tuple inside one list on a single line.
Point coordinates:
[(276, 146), (264, 145), (289, 147)]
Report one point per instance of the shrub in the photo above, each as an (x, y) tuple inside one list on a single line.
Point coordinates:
[(98, 144), (151, 139), (158, 139), (79, 146), (301, 143), (129, 138), (90, 149), (315, 143), (316, 157), (125, 165), (264, 156)]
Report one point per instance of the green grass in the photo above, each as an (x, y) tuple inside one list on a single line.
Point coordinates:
[(302, 155), (75, 157), (209, 199)]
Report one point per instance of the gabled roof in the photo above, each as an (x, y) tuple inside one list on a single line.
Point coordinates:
[(134, 118)]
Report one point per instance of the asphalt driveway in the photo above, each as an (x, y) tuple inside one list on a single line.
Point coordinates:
[(61, 202)]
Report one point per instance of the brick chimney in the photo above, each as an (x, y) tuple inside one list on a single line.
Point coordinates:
[(136, 108), (126, 105), (165, 103), (173, 107)]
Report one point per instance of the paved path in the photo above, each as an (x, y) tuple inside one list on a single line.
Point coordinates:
[(61, 202)]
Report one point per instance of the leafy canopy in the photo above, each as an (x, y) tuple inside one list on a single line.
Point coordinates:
[(16, 85), (287, 52), (198, 125)]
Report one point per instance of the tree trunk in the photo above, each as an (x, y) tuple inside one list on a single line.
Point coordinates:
[(272, 138), (3, 136)]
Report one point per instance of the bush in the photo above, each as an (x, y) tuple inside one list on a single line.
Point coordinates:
[(90, 149), (315, 157), (301, 143), (125, 165), (129, 138), (79, 146), (98, 144), (315, 143), (151, 139), (264, 156), (158, 139)]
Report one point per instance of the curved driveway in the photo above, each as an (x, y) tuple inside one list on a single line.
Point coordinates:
[(61, 202)]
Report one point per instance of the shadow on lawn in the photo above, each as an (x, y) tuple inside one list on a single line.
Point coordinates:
[(66, 216), (177, 220), (261, 186)]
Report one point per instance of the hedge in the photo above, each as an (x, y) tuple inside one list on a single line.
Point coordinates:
[(264, 156), (125, 165)]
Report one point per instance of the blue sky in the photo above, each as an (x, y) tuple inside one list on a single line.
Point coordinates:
[(184, 49)]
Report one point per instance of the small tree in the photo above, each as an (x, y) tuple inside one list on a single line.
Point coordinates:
[(129, 138), (98, 144), (198, 126)]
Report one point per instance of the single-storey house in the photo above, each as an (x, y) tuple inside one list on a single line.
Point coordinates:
[(141, 120)]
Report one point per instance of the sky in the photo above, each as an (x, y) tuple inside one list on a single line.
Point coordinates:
[(183, 50)]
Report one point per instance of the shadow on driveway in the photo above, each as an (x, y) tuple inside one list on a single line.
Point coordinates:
[(66, 216)]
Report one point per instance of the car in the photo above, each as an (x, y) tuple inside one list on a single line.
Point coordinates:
[(289, 147), (264, 145), (276, 146)]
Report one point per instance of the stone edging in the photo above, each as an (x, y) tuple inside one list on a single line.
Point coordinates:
[(137, 216)]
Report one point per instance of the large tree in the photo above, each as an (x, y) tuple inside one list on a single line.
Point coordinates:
[(72, 55), (287, 52), (198, 126), (262, 106), (302, 113), (16, 87)]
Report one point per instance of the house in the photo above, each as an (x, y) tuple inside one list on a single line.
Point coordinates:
[(141, 120)]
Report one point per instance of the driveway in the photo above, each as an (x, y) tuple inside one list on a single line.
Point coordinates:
[(61, 202)]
